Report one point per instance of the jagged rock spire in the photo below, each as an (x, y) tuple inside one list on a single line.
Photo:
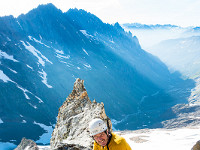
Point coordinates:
[(74, 115)]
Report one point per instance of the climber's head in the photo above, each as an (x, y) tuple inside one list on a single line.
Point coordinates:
[(98, 130)]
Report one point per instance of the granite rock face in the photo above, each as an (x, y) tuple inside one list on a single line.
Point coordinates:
[(71, 130), (196, 146), (27, 144)]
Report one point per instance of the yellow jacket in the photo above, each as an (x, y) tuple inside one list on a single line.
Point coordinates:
[(116, 143)]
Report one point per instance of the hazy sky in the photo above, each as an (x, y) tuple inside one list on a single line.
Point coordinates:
[(178, 12)]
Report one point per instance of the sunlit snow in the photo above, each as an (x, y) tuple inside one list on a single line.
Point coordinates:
[(43, 75), (19, 25), (45, 138), (114, 122), (85, 52), (34, 106), (23, 121), (7, 146), (12, 70), (36, 53), (6, 56), (8, 39), (67, 64), (32, 38), (44, 147), (40, 37), (29, 67), (59, 51), (87, 66), (85, 33), (61, 56), (27, 91), (156, 139), (112, 41), (165, 139), (24, 90), (4, 77), (40, 101)]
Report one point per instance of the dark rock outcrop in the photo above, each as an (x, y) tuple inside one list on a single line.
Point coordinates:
[(196, 146), (71, 130), (27, 144)]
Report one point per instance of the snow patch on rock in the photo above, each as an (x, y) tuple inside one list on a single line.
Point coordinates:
[(36, 53), (4, 77), (86, 34), (85, 52), (12, 70), (29, 67), (43, 75), (6, 56), (33, 39), (45, 138)]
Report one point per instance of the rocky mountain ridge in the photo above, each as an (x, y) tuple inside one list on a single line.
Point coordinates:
[(43, 51), (73, 119), (71, 130)]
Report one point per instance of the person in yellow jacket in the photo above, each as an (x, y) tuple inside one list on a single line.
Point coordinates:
[(103, 140)]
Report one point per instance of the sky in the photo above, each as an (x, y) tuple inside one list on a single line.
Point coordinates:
[(178, 12)]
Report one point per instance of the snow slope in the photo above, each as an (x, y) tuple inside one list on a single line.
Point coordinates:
[(156, 139), (165, 139)]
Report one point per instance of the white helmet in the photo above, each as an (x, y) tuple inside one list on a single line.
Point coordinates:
[(97, 126)]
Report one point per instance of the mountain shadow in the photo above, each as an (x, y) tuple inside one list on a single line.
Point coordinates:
[(45, 50)]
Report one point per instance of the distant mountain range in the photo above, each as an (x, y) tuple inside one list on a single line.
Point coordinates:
[(180, 54), (179, 49), (43, 51), (145, 26), (156, 26)]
